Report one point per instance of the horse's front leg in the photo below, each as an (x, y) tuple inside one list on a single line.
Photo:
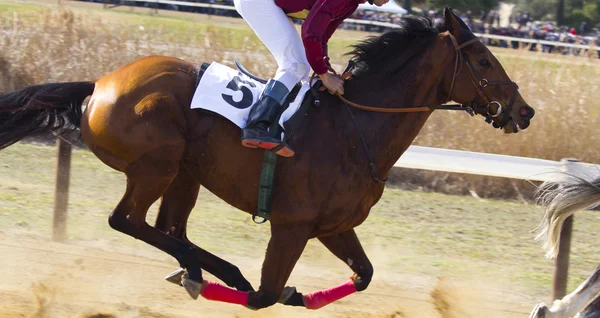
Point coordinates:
[(285, 247), (571, 304), (346, 247)]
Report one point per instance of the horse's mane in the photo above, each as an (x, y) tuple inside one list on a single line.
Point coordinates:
[(392, 50)]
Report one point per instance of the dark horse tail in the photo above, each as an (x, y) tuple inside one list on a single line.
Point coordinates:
[(40, 109)]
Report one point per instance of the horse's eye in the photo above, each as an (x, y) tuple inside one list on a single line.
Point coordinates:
[(485, 63)]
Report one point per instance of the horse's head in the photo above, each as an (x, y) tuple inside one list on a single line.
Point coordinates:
[(479, 81)]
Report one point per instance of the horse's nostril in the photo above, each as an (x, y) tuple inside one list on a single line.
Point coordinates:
[(526, 112)]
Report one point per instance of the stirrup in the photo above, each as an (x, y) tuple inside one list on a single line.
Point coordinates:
[(279, 148)]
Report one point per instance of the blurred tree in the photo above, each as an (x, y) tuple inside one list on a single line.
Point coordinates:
[(538, 9), (408, 5), (564, 12), (577, 4), (560, 12)]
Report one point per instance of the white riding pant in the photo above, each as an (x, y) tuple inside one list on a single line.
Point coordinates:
[(278, 33)]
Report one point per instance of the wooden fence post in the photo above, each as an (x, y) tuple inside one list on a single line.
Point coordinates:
[(61, 195), (561, 264)]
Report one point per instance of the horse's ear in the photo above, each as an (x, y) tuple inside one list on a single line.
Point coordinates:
[(453, 23)]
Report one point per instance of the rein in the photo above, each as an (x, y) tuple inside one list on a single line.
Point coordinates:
[(478, 81)]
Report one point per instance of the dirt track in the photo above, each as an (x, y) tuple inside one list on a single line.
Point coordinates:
[(44, 279)]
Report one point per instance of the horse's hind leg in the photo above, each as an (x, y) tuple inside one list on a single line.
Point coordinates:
[(147, 180), (346, 247), (175, 208), (571, 304)]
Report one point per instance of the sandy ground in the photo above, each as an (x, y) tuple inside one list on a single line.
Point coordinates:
[(43, 279)]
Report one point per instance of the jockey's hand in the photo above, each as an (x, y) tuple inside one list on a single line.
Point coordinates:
[(333, 83)]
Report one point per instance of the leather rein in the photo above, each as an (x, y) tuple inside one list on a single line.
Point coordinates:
[(478, 81)]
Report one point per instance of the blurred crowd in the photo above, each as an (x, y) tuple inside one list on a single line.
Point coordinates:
[(520, 25)]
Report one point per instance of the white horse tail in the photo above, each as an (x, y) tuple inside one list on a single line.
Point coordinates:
[(561, 199)]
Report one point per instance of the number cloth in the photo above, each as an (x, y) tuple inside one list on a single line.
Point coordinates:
[(231, 94)]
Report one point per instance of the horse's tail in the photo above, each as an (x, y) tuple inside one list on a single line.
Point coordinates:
[(562, 199), (39, 109)]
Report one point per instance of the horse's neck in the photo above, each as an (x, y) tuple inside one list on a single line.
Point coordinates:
[(388, 135)]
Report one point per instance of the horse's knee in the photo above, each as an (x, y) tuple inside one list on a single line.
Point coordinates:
[(363, 277), (262, 299)]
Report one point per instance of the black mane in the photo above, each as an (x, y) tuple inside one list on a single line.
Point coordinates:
[(394, 48)]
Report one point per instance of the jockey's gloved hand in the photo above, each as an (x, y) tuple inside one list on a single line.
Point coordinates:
[(333, 83)]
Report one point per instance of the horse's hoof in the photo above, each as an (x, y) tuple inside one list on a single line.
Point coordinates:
[(286, 294), (540, 311), (175, 277), (192, 287)]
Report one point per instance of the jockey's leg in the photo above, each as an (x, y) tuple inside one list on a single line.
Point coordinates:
[(263, 116), (279, 35), (346, 247), (176, 205)]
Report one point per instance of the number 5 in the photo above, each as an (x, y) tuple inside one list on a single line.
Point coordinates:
[(247, 96)]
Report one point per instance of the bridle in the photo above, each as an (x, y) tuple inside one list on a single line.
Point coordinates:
[(478, 81)]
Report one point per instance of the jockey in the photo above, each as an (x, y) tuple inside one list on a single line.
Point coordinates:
[(294, 55)]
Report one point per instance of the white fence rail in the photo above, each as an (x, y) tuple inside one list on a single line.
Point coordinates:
[(377, 23), (436, 159)]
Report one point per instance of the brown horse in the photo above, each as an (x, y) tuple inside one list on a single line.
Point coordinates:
[(138, 121)]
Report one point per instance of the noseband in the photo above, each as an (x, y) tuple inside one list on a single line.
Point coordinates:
[(480, 83)]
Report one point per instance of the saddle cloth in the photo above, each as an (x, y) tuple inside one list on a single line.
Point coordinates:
[(231, 94)]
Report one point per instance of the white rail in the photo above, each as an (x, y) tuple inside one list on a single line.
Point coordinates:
[(485, 164)]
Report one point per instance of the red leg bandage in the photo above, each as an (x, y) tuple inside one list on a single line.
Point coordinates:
[(318, 299), (218, 292)]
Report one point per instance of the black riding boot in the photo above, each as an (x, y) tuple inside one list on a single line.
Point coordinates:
[(262, 115)]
